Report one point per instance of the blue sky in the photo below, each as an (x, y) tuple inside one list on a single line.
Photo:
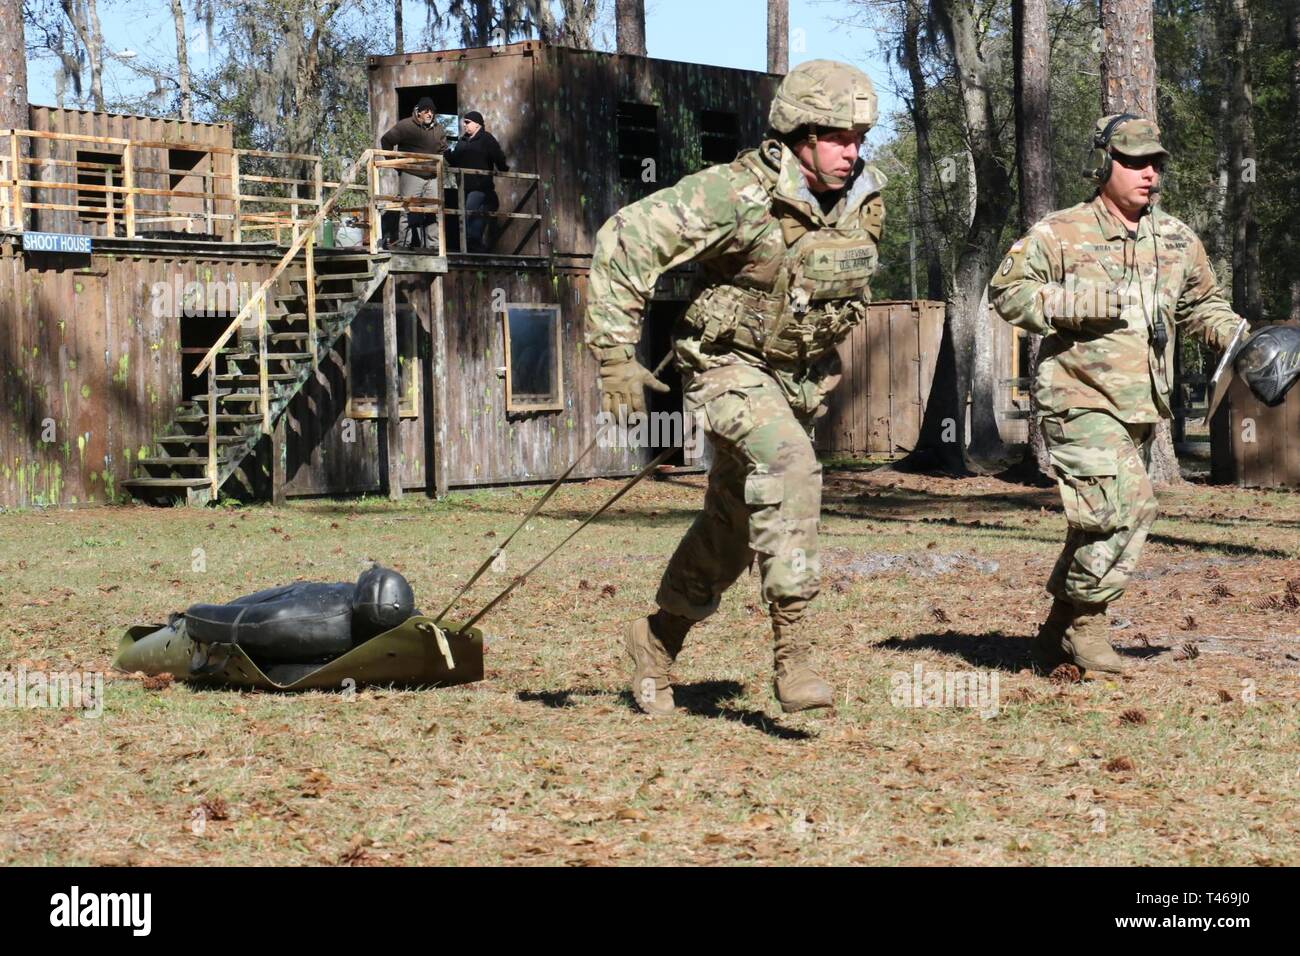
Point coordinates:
[(720, 32)]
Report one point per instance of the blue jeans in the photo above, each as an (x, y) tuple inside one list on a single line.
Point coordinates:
[(475, 226)]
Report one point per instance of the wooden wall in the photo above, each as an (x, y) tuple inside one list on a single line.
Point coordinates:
[(1254, 445), (889, 362), (579, 146), (83, 122), (484, 444), (81, 350), (555, 112)]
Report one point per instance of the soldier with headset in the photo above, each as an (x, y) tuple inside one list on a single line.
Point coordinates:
[(1106, 282)]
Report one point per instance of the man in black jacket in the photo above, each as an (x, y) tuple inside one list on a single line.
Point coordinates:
[(418, 133), (477, 149)]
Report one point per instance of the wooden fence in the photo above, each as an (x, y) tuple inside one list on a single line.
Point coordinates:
[(889, 362)]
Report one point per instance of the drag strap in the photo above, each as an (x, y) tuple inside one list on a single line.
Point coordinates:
[(499, 549), (555, 485), (632, 482)]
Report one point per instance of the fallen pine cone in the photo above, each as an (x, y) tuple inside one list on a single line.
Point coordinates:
[(1119, 765), (1187, 652), (158, 681), (214, 808), (1065, 674), (1134, 715)]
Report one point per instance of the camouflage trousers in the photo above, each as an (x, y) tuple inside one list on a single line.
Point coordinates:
[(1100, 465), (763, 500)]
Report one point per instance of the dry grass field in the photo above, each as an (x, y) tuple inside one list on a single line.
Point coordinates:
[(1192, 758)]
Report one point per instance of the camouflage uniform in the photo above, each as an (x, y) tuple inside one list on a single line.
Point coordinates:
[(1106, 301), (780, 283), (1100, 393), (748, 225)]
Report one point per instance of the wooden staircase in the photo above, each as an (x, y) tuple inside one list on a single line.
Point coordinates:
[(179, 472)]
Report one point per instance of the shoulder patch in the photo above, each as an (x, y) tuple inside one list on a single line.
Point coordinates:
[(1006, 266)]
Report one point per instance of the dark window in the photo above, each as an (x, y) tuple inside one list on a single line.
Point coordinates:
[(446, 107), (533, 377), (199, 332), (719, 136), (98, 169), (366, 395), (183, 162), (638, 140)]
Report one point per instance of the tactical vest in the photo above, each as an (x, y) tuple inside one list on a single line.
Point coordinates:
[(796, 295)]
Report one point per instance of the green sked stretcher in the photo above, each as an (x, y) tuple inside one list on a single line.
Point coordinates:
[(413, 654)]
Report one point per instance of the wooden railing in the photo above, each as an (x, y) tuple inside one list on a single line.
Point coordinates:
[(235, 195), (370, 161), (531, 192), (244, 192)]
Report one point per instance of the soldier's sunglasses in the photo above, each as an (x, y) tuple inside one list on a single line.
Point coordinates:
[(1140, 162)]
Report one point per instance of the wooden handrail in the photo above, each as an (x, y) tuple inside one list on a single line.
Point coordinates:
[(361, 162)]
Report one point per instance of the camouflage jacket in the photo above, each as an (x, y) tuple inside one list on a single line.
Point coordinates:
[(754, 228), (1086, 247)]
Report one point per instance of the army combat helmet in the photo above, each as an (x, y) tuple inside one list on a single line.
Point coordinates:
[(824, 94)]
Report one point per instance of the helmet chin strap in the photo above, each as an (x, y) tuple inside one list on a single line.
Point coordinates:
[(823, 177)]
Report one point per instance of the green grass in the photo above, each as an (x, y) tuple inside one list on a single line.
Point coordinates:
[(546, 762)]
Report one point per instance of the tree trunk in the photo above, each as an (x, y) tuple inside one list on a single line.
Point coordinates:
[(182, 60), (979, 253), (399, 31), (13, 67), (629, 26), (1032, 56), (1245, 227), (1128, 85), (778, 36), (964, 369), (924, 156), (96, 54), (1293, 55), (1128, 59)]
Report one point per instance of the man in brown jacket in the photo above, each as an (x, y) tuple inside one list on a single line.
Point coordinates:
[(418, 133)]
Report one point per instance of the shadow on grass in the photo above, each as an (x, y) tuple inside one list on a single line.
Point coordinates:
[(992, 649), (995, 650), (712, 699)]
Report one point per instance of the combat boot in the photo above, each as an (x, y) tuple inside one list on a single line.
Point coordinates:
[(653, 643), (1047, 650), (1086, 641), (796, 684)]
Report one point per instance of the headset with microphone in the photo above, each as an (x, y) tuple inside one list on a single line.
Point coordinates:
[(1100, 165), (1100, 161)]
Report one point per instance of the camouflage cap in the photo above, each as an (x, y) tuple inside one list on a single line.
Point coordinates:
[(1133, 137), (824, 93)]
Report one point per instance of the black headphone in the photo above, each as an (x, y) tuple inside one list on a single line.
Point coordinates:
[(1100, 162)]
